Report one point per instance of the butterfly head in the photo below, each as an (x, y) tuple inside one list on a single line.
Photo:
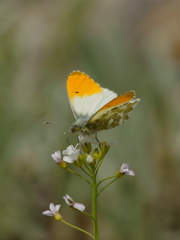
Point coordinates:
[(78, 129), (75, 129)]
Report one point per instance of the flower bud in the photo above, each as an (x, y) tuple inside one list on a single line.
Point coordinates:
[(104, 147), (119, 174), (62, 164), (100, 156), (78, 163), (81, 158), (95, 153), (87, 147), (89, 159)]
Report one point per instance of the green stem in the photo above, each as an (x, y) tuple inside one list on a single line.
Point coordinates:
[(79, 176), (106, 179), (106, 186), (80, 229), (89, 215), (88, 168), (86, 172), (98, 165), (94, 206)]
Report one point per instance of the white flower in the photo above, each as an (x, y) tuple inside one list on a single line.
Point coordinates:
[(84, 138), (125, 169), (70, 149), (71, 154), (57, 156), (71, 203), (58, 159), (53, 212), (89, 159)]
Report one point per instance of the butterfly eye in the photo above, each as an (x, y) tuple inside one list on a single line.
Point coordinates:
[(74, 129)]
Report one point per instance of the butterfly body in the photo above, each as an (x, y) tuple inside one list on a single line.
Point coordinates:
[(96, 108)]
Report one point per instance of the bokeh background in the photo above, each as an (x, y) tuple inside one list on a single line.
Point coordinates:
[(123, 45)]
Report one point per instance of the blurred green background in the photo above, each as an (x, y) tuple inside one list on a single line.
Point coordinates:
[(123, 45)]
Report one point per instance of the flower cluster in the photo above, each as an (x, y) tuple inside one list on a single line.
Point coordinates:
[(74, 155), (89, 159)]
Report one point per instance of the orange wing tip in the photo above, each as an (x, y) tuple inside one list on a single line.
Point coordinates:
[(80, 84), (77, 72), (131, 94), (123, 98)]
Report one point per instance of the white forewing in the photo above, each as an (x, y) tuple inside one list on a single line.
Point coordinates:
[(81, 106), (107, 97), (86, 106)]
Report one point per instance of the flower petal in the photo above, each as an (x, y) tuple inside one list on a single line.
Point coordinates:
[(89, 159), (53, 156), (84, 138), (69, 201), (57, 207), (125, 166), (68, 159), (58, 154), (48, 213), (79, 206), (52, 208), (74, 155), (130, 172), (125, 169), (69, 198), (70, 149), (77, 145)]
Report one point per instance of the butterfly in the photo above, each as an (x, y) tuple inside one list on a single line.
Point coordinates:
[(96, 108)]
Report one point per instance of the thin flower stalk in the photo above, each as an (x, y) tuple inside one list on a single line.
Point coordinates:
[(80, 229), (94, 206), (105, 179), (89, 215), (99, 165), (86, 171), (79, 175), (106, 186)]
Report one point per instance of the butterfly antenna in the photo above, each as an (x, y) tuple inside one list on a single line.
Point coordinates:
[(57, 123), (68, 138)]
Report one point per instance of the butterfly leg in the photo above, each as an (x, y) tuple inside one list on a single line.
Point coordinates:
[(68, 138), (95, 137)]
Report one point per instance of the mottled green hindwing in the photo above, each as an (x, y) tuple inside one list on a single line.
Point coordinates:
[(112, 117)]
